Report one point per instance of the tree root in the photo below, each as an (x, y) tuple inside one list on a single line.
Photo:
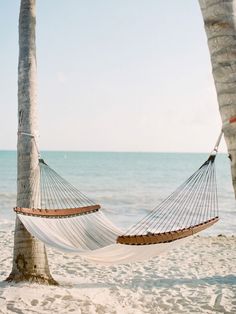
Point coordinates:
[(31, 278)]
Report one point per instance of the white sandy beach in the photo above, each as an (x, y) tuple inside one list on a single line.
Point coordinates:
[(198, 277)]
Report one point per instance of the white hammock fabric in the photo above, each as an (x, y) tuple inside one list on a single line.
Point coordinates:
[(93, 237), (124, 254), (73, 234)]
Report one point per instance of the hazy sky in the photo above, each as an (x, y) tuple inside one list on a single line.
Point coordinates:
[(120, 75)]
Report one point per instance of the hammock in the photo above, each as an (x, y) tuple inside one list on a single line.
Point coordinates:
[(63, 217)]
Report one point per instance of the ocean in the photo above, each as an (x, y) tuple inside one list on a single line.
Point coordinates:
[(127, 185)]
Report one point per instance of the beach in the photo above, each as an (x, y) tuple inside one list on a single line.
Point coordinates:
[(196, 277), (122, 168)]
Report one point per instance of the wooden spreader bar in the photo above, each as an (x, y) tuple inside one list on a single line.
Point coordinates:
[(56, 213), (164, 237)]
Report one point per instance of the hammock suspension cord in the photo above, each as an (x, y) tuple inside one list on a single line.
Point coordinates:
[(191, 207)]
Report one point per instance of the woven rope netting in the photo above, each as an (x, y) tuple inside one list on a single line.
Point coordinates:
[(50, 191), (194, 202)]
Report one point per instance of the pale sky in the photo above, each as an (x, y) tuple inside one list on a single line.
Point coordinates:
[(120, 75)]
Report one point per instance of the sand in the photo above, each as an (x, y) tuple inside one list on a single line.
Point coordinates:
[(198, 277)]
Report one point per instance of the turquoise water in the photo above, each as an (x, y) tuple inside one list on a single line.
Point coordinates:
[(127, 185)]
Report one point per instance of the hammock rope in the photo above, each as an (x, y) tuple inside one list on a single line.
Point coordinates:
[(191, 208), (53, 196), (193, 203)]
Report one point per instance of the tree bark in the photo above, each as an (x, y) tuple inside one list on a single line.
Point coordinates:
[(29, 257), (220, 26)]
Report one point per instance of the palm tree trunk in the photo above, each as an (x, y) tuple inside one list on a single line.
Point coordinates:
[(29, 258), (220, 26)]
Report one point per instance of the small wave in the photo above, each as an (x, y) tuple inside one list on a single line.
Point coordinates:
[(6, 224), (7, 195)]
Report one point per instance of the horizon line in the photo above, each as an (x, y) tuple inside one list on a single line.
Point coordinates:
[(119, 151)]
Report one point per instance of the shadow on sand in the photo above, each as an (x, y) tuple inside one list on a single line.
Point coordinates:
[(138, 281)]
